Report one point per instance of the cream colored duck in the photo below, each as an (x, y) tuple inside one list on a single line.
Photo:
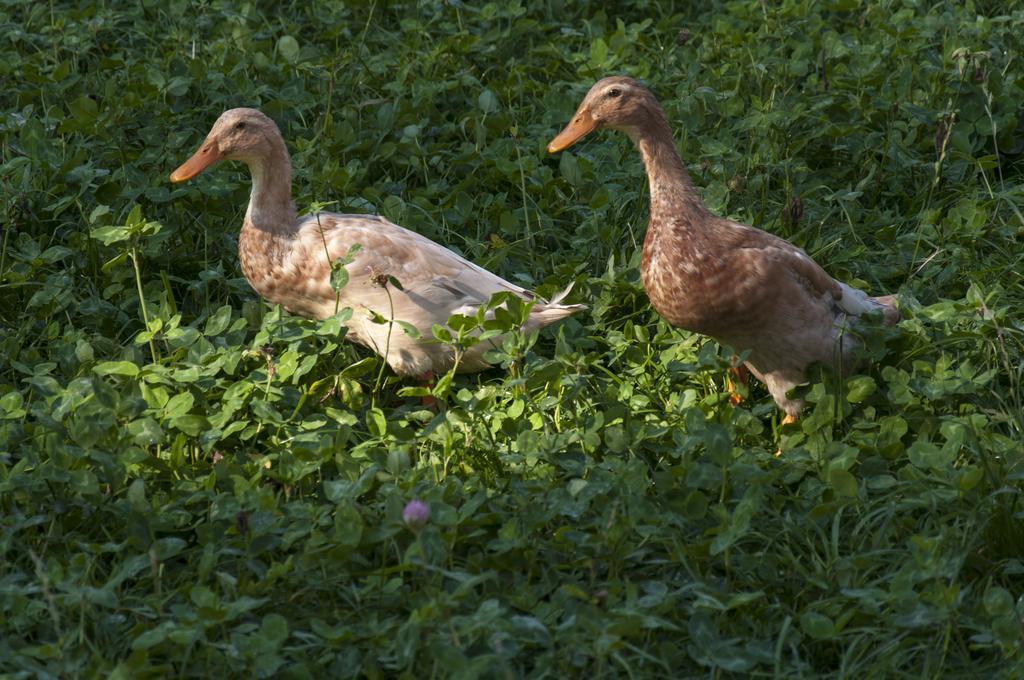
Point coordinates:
[(742, 286), (287, 259)]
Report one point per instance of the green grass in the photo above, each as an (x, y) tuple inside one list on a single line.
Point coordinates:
[(193, 483)]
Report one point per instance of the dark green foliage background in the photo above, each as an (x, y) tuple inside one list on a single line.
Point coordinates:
[(220, 493)]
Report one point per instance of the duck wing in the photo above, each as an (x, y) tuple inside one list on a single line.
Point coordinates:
[(435, 282), (770, 263)]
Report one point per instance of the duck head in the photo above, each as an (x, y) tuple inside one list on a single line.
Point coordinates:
[(245, 135), (617, 102)]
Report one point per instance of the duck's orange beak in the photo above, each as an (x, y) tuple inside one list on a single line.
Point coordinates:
[(207, 155), (581, 125)]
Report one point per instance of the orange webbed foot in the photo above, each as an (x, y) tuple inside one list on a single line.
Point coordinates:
[(738, 375), (788, 419)]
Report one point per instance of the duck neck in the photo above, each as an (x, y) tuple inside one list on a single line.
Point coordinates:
[(270, 204), (675, 203)]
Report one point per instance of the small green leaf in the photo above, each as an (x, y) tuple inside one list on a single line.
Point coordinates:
[(570, 169), (126, 368), (98, 212), (339, 276), (218, 321), (616, 439), (274, 629), (487, 102), (817, 626), (998, 601), (844, 483), (408, 329), (109, 234), (288, 47), (145, 432), (179, 405), (927, 455), (54, 254), (461, 323), (137, 496), (348, 526), (860, 388), (10, 405), (376, 422), (191, 425), (115, 261), (576, 486), (84, 109), (152, 637), (969, 478)]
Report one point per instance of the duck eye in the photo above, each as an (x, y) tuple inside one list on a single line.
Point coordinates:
[(614, 92), (240, 125)]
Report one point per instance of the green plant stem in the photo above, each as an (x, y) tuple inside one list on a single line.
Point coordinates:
[(522, 188), (327, 254), (133, 253), (387, 341)]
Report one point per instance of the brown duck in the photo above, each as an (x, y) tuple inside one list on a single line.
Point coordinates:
[(742, 286), (287, 259)]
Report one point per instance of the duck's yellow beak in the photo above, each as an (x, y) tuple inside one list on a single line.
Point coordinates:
[(207, 155), (581, 125)]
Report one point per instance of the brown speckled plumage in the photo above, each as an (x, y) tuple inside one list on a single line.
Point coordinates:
[(742, 286), (287, 259)]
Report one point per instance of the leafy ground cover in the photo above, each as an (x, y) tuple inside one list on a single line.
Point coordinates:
[(193, 483)]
